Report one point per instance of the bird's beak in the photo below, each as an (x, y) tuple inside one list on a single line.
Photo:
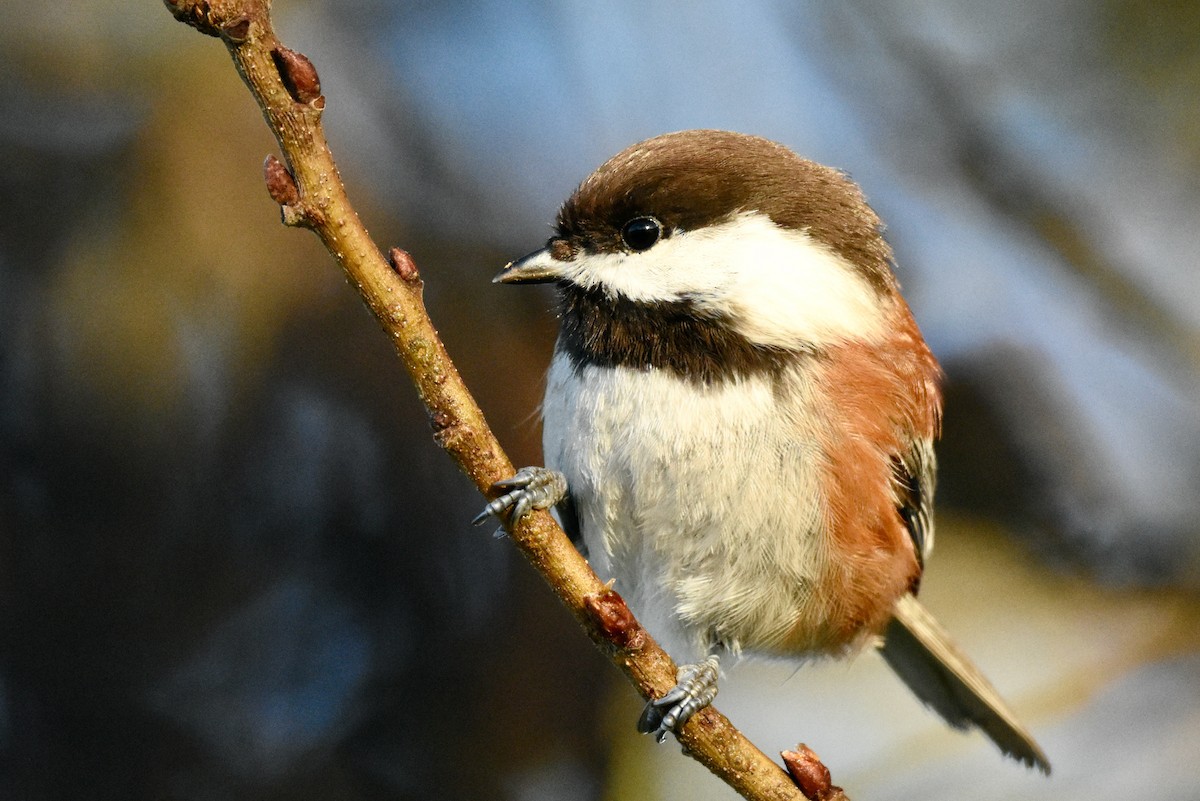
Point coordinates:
[(538, 267)]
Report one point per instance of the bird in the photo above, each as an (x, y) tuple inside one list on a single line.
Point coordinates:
[(739, 421)]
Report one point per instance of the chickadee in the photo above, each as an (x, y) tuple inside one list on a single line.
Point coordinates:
[(740, 416)]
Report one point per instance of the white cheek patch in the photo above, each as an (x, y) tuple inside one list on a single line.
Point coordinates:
[(778, 286)]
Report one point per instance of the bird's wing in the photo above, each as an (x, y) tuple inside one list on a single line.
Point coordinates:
[(914, 477)]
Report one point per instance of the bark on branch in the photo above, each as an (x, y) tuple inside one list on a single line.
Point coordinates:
[(311, 195)]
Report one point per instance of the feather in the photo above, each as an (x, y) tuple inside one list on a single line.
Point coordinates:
[(923, 655), (915, 476)]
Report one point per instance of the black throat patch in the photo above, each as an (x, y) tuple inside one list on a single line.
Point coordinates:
[(668, 335)]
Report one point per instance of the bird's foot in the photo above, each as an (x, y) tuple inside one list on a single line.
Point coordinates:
[(695, 688), (531, 488)]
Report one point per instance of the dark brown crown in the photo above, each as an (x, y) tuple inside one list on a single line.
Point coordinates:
[(692, 179)]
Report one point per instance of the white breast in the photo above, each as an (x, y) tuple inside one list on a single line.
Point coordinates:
[(702, 502)]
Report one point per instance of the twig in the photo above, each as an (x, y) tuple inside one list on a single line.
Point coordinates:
[(311, 195)]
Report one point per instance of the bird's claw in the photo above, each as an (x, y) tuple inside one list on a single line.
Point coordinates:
[(695, 688), (531, 488)]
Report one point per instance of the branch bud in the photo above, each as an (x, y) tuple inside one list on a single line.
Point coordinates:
[(811, 775), (299, 76), (236, 31), (613, 617), (280, 183), (223, 18), (404, 266)]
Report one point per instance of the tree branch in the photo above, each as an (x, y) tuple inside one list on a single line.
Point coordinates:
[(311, 195)]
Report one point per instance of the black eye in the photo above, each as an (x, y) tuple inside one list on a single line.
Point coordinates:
[(641, 233)]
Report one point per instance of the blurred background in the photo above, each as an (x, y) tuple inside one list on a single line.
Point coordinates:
[(233, 565)]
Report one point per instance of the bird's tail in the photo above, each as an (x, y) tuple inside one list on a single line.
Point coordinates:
[(924, 656)]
